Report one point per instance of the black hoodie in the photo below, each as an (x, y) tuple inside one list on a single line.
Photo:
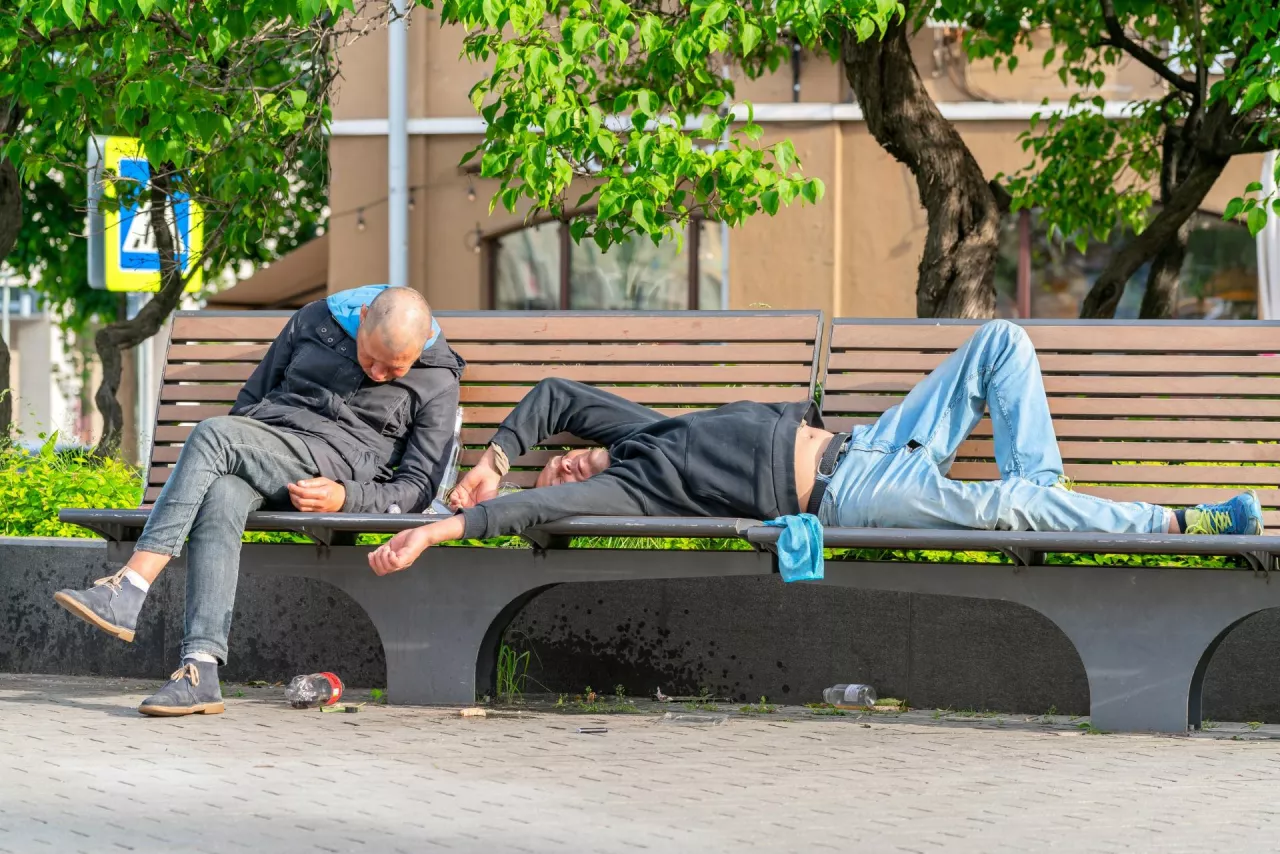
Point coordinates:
[(386, 443), (737, 460)]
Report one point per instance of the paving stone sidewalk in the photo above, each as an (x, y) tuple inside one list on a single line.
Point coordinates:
[(81, 771)]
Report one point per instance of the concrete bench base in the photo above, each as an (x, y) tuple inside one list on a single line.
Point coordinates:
[(1144, 636)]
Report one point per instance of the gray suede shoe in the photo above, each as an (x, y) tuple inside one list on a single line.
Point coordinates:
[(191, 690), (112, 604)]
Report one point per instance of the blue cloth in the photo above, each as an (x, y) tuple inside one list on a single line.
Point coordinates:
[(894, 474), (799, 547), (345, 307)]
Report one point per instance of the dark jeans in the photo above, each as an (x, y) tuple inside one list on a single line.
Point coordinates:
[(229, 467)]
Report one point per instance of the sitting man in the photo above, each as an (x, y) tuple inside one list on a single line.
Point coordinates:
[(352, 409), (768, 460)]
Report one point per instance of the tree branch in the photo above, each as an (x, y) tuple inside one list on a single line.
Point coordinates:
[(1118, 39)]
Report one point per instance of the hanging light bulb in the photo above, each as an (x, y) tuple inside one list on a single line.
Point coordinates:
[(411, 198), (475, 238), (360, 219), (471, 190)]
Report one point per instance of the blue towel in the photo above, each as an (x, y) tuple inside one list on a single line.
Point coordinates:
[(345, 307), (799, 547)]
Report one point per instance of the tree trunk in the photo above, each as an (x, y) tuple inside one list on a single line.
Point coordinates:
[(10, 223), (111, 340), (957, 271), (1160, 302), (1105, 294)]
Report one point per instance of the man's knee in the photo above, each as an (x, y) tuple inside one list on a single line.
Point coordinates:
[(1004, 333), (213, 434), (228, 500)]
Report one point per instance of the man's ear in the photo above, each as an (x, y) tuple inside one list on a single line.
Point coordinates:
[(364, 312)]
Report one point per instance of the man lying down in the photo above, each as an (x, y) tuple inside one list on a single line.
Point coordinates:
[(765, 461)]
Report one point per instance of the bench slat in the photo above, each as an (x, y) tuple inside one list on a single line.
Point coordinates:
[(1080, 428), (1219, 338), (1112, 406), (848, 361), (1091, 385)]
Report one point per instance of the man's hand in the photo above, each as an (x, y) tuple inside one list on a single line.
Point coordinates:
[(479, 484), (400, 551), (317, 495), (405, 547)]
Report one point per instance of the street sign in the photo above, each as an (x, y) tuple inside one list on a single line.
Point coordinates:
[(123, 255)]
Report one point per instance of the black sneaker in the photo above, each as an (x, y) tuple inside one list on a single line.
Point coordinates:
[(112, 604), (191, 690)]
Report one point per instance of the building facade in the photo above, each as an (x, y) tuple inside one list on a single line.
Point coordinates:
[(855, 253)]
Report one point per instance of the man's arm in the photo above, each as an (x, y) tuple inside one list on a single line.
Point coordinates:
[(602, 495), (421, 468), (270, 370), (563, 406)]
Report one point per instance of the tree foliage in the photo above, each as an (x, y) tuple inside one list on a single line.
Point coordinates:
[(630, 101), (228, 98)]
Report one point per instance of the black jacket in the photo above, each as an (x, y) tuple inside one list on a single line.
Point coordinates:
[(736, 460), (386, 443)]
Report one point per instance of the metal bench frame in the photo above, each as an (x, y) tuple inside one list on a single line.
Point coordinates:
[(1144, 635)]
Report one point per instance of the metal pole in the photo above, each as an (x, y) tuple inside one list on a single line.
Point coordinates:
[(397, 148)]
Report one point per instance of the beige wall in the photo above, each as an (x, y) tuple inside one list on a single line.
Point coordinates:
[(855, 253)]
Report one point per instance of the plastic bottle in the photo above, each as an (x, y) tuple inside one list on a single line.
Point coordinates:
[(849, 695), (316, 689)]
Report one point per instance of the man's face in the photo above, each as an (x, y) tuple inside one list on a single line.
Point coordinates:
[(574, 466), (379, 362)]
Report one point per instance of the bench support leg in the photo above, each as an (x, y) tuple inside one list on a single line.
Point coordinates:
[(1145, 636)]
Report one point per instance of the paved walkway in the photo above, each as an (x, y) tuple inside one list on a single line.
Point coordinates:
[(81, 771)]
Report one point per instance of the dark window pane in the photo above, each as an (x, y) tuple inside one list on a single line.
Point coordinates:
[(526, 269)]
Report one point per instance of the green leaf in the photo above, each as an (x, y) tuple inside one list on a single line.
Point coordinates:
[(813, 191), (1013, 63), (219, 41), (651, 34), (578, 228), (865, 29), (1273, 89), (1254, 187), (641, 215), (750, 37), (1234, 209), (492, 10), (752, 131), (1257, 220), (298, 97), (1049, 56), (74, 10), (769, 201)]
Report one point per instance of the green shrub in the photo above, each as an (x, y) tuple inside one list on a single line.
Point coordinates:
[(34, 486)]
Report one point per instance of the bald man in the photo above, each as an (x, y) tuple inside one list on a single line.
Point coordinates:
[(352, 409)]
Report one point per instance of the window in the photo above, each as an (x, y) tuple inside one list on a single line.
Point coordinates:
[(1219, 278), (540, 267)]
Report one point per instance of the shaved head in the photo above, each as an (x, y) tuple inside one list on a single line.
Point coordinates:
[(393, 330)]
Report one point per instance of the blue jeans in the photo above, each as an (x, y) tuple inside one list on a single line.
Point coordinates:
[(229, 467), (894, 473)]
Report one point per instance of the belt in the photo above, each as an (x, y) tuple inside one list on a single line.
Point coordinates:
[(827, 467)]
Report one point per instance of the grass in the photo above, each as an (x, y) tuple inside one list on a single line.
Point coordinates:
[(764, 707), (703, 702), (826, 710), (591, 703), (1254, 725), (1088, 728), (378, 696), (513, 674)]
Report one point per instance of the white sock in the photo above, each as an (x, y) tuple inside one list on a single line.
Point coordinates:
[(137, 580), (200, 656)]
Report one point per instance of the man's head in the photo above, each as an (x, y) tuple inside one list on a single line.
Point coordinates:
[(393, 330), (574, 466)]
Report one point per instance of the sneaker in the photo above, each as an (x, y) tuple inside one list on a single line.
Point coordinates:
[(192, 690), (112, 604), (1240, 515)]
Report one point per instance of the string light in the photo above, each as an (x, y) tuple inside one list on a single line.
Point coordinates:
[(360, 219), (475, 238), (471, 190), (410, 199)]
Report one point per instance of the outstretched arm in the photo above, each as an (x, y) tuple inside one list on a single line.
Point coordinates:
[(602, 495)]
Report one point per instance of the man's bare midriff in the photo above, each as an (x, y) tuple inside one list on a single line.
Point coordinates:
[(810, 443)]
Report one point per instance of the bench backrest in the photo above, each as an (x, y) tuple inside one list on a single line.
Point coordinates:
[(1170, 413), (672, 361)]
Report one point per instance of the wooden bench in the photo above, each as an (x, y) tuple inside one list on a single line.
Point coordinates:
[(439, 619), (1169, 413), (1173, 393)]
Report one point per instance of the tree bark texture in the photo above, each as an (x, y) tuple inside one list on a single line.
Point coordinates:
[(1160, 302), (957, 270), (111, 340), (10, 225)]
